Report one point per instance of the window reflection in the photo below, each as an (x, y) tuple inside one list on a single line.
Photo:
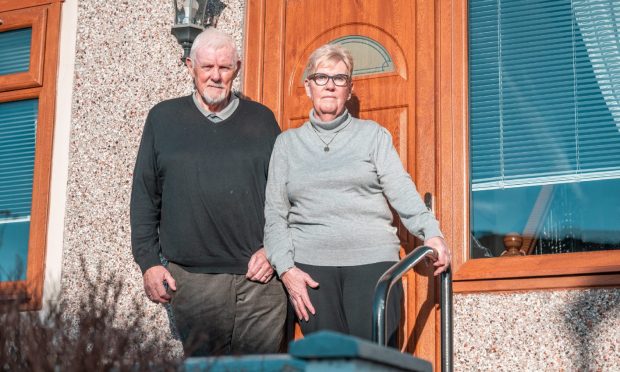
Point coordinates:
[(13, 250), (561, 218)]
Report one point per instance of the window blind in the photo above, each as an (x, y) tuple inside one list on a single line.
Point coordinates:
[(544, 91), (17, 144), (15, 50)]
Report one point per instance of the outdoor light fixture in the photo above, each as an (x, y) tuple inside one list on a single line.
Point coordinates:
[(191, 17)]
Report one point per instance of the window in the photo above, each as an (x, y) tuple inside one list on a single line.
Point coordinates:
[(544, 88), (370, 56), (17, 144), (16, 46), (29, 32)]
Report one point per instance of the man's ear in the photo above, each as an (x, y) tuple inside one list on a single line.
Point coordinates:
[(307, 86), (190, 66), (237, 69)]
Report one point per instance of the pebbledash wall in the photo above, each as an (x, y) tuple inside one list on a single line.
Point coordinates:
[(117, 60), (123, 60)]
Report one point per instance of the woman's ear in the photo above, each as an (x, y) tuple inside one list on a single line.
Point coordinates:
[(307, 86)]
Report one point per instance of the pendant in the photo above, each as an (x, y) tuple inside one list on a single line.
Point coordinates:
[(326, 148)]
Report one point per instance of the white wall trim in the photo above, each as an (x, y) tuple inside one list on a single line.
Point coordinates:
[(60, 154)]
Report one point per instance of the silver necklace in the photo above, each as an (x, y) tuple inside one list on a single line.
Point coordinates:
[(326, 148)]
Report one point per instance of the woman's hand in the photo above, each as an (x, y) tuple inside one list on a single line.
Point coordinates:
[(442, 261), (296, 282)]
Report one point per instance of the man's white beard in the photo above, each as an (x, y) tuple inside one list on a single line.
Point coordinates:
[(213, 100)]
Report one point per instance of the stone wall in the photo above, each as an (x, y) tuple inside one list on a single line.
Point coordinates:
[(560, 330)]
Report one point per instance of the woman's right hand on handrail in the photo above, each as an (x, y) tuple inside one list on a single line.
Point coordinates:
[(442, 259)]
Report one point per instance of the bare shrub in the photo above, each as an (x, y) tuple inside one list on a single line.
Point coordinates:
[(93, 334)]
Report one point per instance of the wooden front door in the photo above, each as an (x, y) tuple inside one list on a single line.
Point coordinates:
[(393, 85)]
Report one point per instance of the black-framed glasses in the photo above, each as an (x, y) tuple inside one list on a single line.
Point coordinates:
[(340, 80)]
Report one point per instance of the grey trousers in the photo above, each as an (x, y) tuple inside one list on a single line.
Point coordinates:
[(222, 314)]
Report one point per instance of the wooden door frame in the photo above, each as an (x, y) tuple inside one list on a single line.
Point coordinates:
[(441, 101), (265, 22)]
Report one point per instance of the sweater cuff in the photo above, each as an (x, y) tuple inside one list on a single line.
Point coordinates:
[(146, 263), (432, 233), (283, 265)]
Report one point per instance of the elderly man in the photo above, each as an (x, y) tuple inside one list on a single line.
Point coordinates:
[(197, 201)]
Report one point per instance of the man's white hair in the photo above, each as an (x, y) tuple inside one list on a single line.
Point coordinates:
[(216, 39)]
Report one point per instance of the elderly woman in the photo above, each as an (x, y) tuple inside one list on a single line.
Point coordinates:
[(328, 220)]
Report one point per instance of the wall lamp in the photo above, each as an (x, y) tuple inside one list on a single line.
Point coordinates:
[(191, 17)]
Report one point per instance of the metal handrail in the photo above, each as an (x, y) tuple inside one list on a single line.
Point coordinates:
[(382, 292)]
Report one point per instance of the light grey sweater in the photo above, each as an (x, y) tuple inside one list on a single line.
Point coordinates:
[(331, 208)]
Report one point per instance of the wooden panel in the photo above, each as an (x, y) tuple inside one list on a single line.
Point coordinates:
[(264, 45), (17, 95), (43, 160), (452, 201), (423, 166), (452, 163), (544, 265), (254, 49), (452, 198), (22, 4), (538, 283), (34, 18), (275, 40)]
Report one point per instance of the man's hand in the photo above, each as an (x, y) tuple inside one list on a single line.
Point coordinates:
[(295, 281), (154, 279), (442, 261), (259, 268)]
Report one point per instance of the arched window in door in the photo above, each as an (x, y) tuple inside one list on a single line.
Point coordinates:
[(370, 57)]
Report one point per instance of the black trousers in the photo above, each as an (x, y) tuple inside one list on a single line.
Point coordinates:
[(343, 300), (218, 314)]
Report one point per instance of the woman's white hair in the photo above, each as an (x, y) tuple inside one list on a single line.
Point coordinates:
[(216, 39), (332, 53)]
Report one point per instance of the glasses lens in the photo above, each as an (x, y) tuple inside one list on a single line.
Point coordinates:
[(320, 79), (340, 80)]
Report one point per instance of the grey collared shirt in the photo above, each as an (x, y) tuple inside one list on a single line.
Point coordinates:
[(219, 116)]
